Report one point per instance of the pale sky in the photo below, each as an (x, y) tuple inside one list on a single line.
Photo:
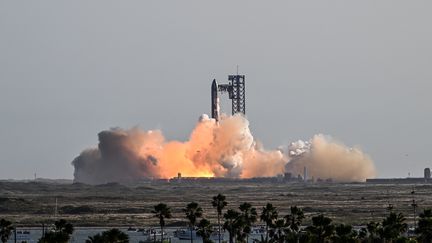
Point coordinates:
[(360, 71)]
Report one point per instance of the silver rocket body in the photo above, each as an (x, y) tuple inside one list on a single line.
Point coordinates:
[(215, 108)]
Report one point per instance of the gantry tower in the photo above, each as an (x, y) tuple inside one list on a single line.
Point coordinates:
[(236, 92)]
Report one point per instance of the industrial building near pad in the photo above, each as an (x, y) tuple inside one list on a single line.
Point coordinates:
[(409, 180)]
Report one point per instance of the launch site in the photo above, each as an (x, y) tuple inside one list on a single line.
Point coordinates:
[(223, 122), (123, 193)]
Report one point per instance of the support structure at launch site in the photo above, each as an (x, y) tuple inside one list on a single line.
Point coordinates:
[(236, 92)]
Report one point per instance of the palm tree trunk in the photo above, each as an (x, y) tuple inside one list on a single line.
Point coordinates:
[(191, 234), (266, 232), (219, 235), (161, 234)]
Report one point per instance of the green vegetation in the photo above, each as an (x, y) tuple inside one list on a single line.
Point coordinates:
[(193, 211), (60, 233), (204, 230), (328, 211), (162, 212), (248, 217), (5, 230), (269, 216), (219, 202), (109, 236), (232, 222), (424, 229), (114, 205), (239, 224), (393, 226)]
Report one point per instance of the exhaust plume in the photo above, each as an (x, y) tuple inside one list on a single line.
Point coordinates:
[(325, 158), (224, 149)]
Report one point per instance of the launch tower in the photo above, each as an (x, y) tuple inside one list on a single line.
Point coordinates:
[(236, 92)]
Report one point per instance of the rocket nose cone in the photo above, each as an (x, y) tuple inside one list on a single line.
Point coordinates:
[(214, 83)]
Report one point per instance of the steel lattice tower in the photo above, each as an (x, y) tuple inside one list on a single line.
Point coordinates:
[(237, 93)]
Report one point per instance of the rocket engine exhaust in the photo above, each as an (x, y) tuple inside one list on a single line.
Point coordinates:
[(224, 149), (220, 146)]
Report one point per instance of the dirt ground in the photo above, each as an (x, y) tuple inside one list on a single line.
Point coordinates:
[(32, 203)]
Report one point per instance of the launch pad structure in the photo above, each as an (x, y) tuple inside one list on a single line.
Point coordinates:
[(236, 92)]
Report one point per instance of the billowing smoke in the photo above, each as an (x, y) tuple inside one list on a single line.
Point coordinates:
[(226, 149), (325, 158)]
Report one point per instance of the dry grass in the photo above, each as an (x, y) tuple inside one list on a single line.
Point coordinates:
[(117, 205)]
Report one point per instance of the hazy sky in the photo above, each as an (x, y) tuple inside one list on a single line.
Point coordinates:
[(360, 71)]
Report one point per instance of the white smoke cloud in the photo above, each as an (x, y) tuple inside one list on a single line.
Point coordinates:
[(325, 158)]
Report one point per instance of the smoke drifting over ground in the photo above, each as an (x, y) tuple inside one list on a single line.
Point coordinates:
[(227, 149), (325, 158)]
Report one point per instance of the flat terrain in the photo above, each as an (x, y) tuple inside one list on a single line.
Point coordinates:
[(32, 203)]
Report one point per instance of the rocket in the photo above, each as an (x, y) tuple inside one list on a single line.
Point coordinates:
[(214, 101)]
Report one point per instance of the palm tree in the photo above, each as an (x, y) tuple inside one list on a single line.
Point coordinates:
[(192, 211), (268, 215), (294, 221), (278, 231), (59, 234), (249, 215), (241, 229), (5, 230), (97, 238), (393, 226), (64, 227), (109, 236), (373, 229), (362, 235), (162, 212), (219, 203), (344, 234), (321, 228), (205, 230), (424, 229), (115, 236), (231, 223), (295, 218)]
